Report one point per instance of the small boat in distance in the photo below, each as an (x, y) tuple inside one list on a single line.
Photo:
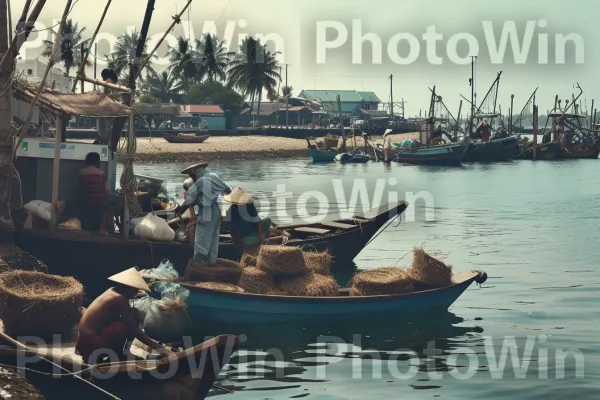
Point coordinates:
[(185, 138), (327, 150), (230, 307)]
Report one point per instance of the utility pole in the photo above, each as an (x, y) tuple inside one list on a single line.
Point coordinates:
[(286, 97), (6, 171), (339, 102)]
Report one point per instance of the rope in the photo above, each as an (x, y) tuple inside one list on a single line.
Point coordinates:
[(128, 181)]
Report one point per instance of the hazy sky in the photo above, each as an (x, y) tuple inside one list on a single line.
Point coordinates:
[(302, 31)]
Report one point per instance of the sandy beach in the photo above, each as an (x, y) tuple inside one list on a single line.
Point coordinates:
[(157, 150)]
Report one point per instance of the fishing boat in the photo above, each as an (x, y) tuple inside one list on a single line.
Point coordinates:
[(322, 156), (188, 374), (324, 151), (495, 150), (230, 307), (354, 157), (447, 154), (92, 258), (185, 138), (544, 151)]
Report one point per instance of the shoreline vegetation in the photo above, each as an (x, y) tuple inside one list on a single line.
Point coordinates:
[(231, 148)]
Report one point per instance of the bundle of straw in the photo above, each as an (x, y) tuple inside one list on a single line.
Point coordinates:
[(248, 260), (225, 287), (313, 285), (34, 303), (224, 271), (428, 270), (281, 261), (254, 280), (318, 263), (382, 281)]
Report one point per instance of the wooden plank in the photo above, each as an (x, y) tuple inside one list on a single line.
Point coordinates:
[(56, 171), (337, 225), (315, 231)]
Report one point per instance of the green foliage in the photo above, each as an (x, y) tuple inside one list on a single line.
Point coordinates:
[(215, 93)]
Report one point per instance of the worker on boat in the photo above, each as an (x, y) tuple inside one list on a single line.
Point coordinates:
[(109, 323), (207, 225), (248, 230), (93, 195), (484, 131), (387, 146)]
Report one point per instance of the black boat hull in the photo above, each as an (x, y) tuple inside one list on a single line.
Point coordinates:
[(494, 150)]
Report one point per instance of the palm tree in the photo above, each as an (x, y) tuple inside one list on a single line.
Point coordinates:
[(287, 91), (184, 63), (164, 86), (69, 52), (124, 54), (214, 58), (253, 70)]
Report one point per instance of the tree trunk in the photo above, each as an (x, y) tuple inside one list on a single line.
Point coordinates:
[(258, 108), (6, 166)]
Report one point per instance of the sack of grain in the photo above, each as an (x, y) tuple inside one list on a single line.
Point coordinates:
[(281, 261), (254, 280), (428, 270), (382, 281), (224, 271)]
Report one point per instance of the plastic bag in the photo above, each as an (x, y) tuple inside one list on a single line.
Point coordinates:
[(40, 209), (164, 272), (170, 290), (164, 320), (154, 228)]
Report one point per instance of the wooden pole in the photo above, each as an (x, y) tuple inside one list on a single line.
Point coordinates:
[(535, 131), (56, 171), (22, 35), (339, 102), (510, 118), (83, 58), (95, 64), (287, 97), (126, 209), (392, 97), (592, 115), (105, 84)]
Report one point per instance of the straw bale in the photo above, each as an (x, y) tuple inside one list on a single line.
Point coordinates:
[(318, 263), (225, 287), (382, 281), (281, 261), (248, 260), (254, 280), (225, 271), (34, 303), (428, 270), (312, 285)]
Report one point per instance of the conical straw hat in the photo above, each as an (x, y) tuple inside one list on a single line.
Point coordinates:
[(131, 278), (238, 196), (387, 132), (193, 168)]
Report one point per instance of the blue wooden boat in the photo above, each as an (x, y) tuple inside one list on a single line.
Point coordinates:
[(494, 150), (355, 157), (320, 156), (229, 307), (446, 154)]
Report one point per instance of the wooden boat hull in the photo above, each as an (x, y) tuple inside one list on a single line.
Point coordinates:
[(228, 307), (186, 376), (185, 139), (494, 150), (545, 151), (449, 154), (590, 151), (321, 156), (92, 258)]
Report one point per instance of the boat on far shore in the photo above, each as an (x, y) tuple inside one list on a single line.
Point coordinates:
[(185, 138)]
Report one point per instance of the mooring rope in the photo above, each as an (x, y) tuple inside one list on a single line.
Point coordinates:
[(128, 181)]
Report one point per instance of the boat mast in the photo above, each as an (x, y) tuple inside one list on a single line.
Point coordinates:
[(472, 84), (392, 97)]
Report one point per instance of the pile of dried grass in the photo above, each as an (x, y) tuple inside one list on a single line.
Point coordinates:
[(225, 271), (281, 261), (225, 287), (313, 285), (318, 263), (254, 280), (428, 270), (382, 281), (248, 260), (34, 303)]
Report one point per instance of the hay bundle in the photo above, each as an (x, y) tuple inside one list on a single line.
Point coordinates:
[(248, 260), (224, 271), (313, 285), (254, 280), (281, 261), (34, 303), (428, 270), (225, 287), (382, 281), (318, 263)]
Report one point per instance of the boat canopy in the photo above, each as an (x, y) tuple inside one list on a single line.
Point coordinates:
[(90, 104), (567, 115)]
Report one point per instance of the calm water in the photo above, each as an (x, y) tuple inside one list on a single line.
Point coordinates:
[(531, 226)]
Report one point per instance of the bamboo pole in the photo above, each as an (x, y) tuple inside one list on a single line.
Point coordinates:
[(56, 171), (105, 84), (535, 131), (176, 20), (17, 41), (25, 126), (92, 40), (82, 61)]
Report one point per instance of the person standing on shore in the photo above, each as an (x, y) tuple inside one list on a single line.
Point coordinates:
[(206, 226), (387, 146)]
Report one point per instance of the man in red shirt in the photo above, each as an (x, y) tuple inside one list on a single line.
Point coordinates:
[(94, 192)]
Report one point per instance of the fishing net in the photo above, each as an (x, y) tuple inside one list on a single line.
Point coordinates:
[(254, 280), (382, 281), (281, 261), (428, 270), (312, 285), (34, 303), (224, 271)]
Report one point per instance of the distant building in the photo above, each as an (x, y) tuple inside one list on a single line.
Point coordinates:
[(353, 103), (212, 114), (299, 112), (33, 71)]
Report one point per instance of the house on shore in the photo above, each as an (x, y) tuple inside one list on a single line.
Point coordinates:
[(209, 114), (297, 111)]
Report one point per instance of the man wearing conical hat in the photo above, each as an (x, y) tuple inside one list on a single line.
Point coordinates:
[(110, 322), (206, 226), (387, 146)]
